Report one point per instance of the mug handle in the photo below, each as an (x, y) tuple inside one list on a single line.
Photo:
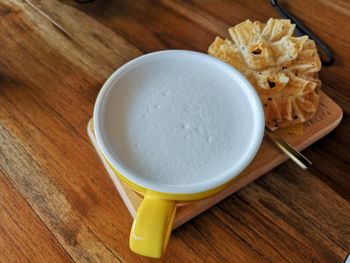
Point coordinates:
[(152, 226)]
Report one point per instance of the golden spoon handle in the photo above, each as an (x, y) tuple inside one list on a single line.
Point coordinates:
[(292, 153)]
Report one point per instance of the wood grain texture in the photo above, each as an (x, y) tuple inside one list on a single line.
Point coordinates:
[(23, 237), (268, 157), (54, 57)]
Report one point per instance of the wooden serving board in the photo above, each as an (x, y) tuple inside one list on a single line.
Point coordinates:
[(269, 156)]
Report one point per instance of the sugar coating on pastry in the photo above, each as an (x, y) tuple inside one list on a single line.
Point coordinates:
[(282, 68)]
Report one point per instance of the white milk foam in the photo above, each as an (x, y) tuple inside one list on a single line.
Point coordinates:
[(178, 124)]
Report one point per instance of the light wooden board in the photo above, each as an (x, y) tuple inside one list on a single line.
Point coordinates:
[(326, 119)]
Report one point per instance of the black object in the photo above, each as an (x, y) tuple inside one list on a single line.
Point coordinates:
[(327, 57), (84, 1)]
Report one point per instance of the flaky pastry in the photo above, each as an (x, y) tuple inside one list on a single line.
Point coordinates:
[(282, 68)]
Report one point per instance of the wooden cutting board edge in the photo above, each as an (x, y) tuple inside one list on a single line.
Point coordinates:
[(327, 119)]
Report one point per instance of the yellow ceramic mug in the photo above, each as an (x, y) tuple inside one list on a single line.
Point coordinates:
[(181, 114)]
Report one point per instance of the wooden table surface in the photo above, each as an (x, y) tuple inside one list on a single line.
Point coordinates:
[(57, 203)]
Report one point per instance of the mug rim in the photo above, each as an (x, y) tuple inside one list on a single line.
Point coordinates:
[(204, 186)]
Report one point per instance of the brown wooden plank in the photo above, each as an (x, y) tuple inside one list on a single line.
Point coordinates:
[(55, 55), (23, 236), (280, 218), (169, 24), (44, 148), (50, 202), (329, 20), (39, 123), (211, 18)]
